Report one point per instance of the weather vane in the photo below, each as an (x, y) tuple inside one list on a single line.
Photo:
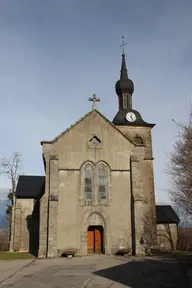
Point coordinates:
[(94, 99), (123, 45)]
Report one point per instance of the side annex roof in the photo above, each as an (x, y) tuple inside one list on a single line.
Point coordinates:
[(30, 186), (166, 214)]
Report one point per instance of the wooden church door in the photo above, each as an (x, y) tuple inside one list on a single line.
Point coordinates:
[(90, 240), (94, 239), (97, 240)]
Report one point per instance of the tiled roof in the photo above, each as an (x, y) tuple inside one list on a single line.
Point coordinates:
[(166, 214), (30, 186)]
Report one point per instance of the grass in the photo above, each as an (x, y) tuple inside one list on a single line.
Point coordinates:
[(15, 255)]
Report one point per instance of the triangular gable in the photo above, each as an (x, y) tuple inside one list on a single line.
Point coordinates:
[(81, 119)]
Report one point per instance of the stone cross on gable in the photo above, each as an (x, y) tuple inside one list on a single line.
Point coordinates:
[(94, 99)]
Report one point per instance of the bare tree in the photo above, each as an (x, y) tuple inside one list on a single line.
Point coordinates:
[(150, 237), (148, 231), (164, 233), (10, 167), (185, 238), (184, 230), (180, 167)]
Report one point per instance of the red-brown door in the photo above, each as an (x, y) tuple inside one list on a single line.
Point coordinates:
[(94, 239), (97, 240), (90, 241)]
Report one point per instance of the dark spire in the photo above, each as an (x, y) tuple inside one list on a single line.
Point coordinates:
[(124, 84), (124, 74), (124, 89)]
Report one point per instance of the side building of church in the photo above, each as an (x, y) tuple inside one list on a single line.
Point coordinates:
[(97, 195)]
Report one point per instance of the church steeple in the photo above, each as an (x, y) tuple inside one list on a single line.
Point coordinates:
[(124, 74), (124, 87)]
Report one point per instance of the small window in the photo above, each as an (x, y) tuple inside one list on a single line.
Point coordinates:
[(95, 141), (124, 101), (88, 182), (102, 178), (139, 140)]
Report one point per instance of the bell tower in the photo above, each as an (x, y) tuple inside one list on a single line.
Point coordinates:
[(124, 88), (132, 125)]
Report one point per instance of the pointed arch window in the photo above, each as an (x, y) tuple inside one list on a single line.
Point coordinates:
[(102, 181), (88, 182)]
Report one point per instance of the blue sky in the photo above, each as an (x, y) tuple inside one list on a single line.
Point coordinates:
[(55, 54)]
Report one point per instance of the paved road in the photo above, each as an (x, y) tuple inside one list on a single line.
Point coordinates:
[(100, 272), (9, 268)]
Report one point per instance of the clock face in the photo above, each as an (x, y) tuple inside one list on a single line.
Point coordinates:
[(130, 116)]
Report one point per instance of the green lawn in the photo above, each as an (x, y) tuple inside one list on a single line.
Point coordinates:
[(15, 255)]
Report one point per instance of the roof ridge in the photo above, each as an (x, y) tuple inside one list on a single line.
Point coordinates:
[(67, 129), (113, 125), (83, 117), (26, 175)]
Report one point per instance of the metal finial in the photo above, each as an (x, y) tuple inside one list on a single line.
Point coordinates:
[(94, 99), (123, 45)]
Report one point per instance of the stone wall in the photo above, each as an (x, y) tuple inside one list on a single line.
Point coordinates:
[(167, 236), (73, 217), (142, 187), (53, 207), (21, 225), (128, 180)]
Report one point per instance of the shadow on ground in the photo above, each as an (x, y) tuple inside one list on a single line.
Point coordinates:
[(148, 273)]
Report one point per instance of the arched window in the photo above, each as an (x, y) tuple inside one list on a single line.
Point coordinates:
[(138, 140), (102, 181), (88, 182)]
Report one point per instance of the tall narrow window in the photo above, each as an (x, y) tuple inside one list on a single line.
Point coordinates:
[(88, 182), (124, 101), (102, 179)]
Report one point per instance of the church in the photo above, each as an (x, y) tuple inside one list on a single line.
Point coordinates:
[(97, 194)]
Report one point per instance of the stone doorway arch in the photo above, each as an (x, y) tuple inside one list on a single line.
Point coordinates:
[(90, 220)]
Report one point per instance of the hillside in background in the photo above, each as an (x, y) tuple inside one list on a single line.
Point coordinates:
[(3, 220)]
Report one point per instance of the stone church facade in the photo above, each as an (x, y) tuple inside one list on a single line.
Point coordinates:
[(97, 190)]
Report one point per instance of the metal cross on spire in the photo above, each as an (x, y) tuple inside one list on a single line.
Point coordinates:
[(123, 45), (94, 99)]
